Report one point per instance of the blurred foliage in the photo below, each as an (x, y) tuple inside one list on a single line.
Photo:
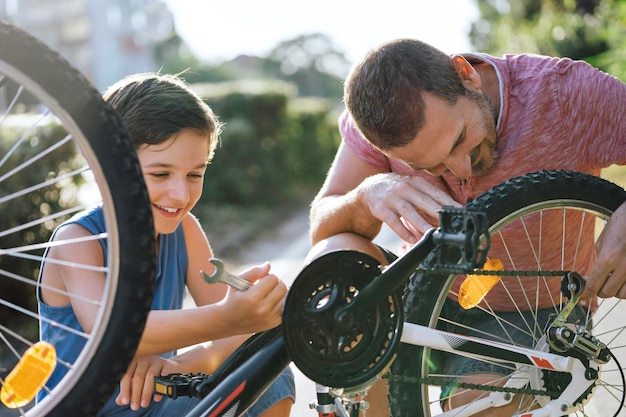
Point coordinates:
[(275, 149), (311, 62), (590, 30), (32, 207), (280, 136)]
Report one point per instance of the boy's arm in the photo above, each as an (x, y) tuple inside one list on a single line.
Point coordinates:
[(239, 313)]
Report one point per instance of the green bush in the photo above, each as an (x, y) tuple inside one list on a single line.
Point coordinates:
[(274, 149)]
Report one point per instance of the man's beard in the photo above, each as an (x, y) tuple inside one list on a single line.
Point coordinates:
[(485, 154)]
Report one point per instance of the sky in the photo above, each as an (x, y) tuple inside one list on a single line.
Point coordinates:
[(221, 30)]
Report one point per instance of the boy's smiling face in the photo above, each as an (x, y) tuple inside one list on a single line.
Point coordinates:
[(174, 174)]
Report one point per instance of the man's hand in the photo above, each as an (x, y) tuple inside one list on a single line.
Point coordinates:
[(409, 205), (608, 276)]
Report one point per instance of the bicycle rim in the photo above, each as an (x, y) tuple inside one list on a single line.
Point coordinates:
[(64, 150), (537, 222)]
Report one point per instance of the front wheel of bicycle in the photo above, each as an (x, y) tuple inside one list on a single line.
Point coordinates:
[(543, 221), (62, 151)]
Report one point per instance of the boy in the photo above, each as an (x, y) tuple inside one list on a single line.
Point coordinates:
[(175, 134)]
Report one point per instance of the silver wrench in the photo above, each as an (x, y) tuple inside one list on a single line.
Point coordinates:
[(222, 275)]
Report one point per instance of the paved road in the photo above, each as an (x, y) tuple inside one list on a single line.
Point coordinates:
[(286, 251)]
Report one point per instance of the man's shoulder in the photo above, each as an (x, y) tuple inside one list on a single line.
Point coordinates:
[(524, 66)]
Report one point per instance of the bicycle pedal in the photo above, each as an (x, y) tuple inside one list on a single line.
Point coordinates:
[(178, 385), (463, 233)]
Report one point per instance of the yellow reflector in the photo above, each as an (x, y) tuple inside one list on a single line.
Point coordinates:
[(475, 287), (29, 375)]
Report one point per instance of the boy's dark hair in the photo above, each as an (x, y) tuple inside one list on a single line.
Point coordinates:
[(156, 106)]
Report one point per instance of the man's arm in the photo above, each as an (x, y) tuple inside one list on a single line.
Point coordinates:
[(608, 277), (358, 197), (336, 208)]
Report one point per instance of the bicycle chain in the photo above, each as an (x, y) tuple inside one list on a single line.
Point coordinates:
[(440, 382), (447, 270)]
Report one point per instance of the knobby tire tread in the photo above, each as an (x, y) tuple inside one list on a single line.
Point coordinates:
[(106, 135), (423, 292)]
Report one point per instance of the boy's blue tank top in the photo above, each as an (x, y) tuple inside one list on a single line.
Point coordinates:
[(171, 272)]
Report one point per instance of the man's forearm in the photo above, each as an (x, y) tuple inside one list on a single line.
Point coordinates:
[(332, 215)]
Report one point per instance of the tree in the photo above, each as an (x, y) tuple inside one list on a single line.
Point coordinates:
[(312, 62), (590, 30), (173, 55)]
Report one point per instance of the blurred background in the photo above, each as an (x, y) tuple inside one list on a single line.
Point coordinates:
[(272, 70)]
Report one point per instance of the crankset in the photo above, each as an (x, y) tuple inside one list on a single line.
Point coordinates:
[(340, 341), (340, 350)]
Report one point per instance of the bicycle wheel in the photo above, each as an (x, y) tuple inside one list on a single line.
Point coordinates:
[(62, 150), (544, 221)]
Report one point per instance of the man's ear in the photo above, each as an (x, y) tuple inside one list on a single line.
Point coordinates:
[(467, 74)]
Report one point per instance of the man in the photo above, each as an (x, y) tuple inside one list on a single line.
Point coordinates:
[(423, 129)]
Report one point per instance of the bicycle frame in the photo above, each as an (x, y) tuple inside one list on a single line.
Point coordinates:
[(255, 365), (236, 386), (232, 393), (442, 239), (522, 357)]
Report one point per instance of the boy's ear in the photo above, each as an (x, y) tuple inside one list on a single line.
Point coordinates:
[(467, 74)]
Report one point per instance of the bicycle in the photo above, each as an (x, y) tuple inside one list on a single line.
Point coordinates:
[(343, 322), (344, 299), (63, 149)]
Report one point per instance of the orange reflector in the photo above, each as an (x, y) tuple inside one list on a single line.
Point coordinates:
[(29, 375), (475, 287)]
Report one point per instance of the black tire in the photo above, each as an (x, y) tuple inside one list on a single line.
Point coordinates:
[(564, 193), (79, 113)]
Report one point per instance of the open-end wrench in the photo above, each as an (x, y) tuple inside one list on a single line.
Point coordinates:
[(222, 275)]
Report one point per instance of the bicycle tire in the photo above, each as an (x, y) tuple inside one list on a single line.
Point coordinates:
[(510, 202), (36, 83)]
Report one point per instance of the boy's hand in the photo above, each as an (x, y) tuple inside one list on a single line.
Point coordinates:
[(137, 385), (259, 307)]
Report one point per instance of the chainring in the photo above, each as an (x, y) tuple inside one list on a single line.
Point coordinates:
[(340, 355)]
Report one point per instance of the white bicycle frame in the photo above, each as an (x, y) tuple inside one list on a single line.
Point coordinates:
[(524, 359)]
